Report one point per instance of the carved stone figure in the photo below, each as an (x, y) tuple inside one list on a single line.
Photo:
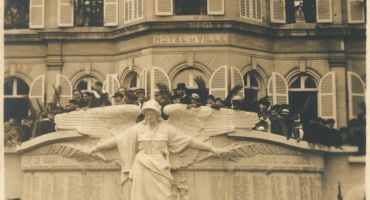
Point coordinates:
[(150, 149)]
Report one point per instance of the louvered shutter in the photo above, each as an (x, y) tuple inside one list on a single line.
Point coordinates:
[(37, 91), (65, 13), (215, 7), (143, 81), (243, 7), (237, 79), (164, 7), (324, 13), (65, 93), (111, 84), (110, 12), (218, 83), (356, 11), (257, 9), (126, 8), (327, 97), (356, 90), (140, 8), (277, 11), (37, 13), (278, 89), (158, 75)]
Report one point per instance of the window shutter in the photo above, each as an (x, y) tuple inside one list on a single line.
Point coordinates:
[(164, 7), (356, 90), (257, 9), (143, 81), (218, 83), (215, 7), (277, 10), (65, 85), (65, 13), (356, 11), (110, 12), (37, 13), (243, 7), (37, 91), (126, 8), (324, 13), (140, 8), (158, 75), (327, 97), (278, 89), (237, 79), (111, 84)]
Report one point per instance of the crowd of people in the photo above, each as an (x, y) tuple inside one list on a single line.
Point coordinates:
[(276, 119)]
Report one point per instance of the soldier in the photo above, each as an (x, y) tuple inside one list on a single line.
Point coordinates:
[(99, 98)]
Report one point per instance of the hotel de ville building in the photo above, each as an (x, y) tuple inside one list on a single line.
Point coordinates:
[(309, 52)]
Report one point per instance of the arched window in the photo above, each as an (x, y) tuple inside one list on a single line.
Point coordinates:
[(85, 83), (303, 94), (15, 99), (187, 76), (252, 86), (131, 80)]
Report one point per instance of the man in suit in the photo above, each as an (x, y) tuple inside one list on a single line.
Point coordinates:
[(99, 98), (181, 92), (25, 130)]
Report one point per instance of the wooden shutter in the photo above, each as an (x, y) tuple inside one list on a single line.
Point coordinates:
[(356, 90), (37, 13), (110, 12), (158, 75), (65, 13), (327, 97), (237, 79), (111, 84), (126, 9), (257, 9), (324, 13), (164, 7), (278, 89), (243, 8), (139, 8), (277, 11), (215, 7), (143, 80), (356, 11), (37, 91), (65, 85), (218, 83)]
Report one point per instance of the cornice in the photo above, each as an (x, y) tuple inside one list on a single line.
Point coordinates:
[(105, 33)]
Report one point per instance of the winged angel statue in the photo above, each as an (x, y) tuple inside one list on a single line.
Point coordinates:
[(148, 150)]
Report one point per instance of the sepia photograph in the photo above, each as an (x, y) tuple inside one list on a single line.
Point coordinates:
[(184, 99)]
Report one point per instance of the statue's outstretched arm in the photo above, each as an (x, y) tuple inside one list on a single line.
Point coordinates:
[(105, 145), (197, 144)]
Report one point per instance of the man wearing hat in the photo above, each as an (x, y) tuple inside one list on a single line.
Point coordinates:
[(99, 98), (140, 93), (211, 100), (194, 102), (181, 92), (118, 98), (237, 103), (46, 125)]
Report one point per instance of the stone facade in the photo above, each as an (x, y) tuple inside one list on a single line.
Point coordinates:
[(204, 43)]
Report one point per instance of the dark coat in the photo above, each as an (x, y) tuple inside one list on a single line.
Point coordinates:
[(185, 100), (103, 100), (25, 133), (46, 126)]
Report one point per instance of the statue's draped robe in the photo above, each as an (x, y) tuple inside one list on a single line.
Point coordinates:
[(146, 160)]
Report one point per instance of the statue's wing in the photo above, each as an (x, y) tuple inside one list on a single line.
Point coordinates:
[(207, 122), (203, 123), (99, 122)]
